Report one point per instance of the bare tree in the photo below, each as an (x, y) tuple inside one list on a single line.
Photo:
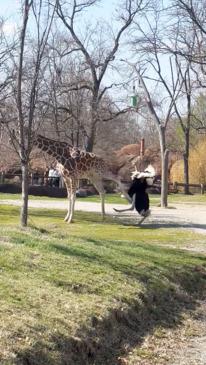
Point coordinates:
[(184, 114), (97, 59), (184, 42), (190, 34), (67, 115), (155, 70), (7, 46), (161, 125), (190, 44), (199, 113), (6, 77), (67, 103), (28, 70), (195, 12)]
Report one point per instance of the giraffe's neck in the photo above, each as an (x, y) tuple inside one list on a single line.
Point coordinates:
[(73, 159), (56, 149)]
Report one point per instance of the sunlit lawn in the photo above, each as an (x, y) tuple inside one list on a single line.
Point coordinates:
[(89, 292)]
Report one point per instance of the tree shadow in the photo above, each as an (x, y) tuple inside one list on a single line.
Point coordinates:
[(113, 336), (170, 288), (157, 224), (173, 225)]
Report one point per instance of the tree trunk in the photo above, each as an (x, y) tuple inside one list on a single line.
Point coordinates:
[(164, 167), (89, 144), (186, 162), (164, 189), (94, 119), (25, 191), (91, 138)]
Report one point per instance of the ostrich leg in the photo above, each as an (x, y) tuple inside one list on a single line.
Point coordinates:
[(127, 209)]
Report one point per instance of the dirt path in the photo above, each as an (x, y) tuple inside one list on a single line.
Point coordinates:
[(189, 342), (177, 215), (184, 345)]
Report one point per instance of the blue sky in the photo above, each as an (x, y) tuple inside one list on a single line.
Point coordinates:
[(9, 8), (10, 11)]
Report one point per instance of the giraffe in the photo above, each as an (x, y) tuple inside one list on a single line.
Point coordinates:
[(74, 164)]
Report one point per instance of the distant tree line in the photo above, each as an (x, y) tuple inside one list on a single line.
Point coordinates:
[(67, 75)]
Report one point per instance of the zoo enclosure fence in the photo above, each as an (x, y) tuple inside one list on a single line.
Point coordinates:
[(43, 180)]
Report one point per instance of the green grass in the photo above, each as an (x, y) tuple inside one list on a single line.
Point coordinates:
[(182, 198), (89, 292)]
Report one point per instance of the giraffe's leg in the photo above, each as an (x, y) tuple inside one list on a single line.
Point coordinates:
[(124, 192), (68, 187), (70, 212), (72, 198), (102, 197), (69, 208), (97, 182)]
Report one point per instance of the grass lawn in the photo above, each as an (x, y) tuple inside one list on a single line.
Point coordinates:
[(89, 292)]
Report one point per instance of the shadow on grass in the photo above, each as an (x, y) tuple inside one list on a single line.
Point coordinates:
[(118, 333), (173, 225), (148, 263), (171, 287), (79, 216), (159, 224)]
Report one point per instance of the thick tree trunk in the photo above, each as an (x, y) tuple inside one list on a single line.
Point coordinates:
[(186, 162), (164, 188), (25, 191), (90, 143), (91, 137), (164, 168), (94, 119)]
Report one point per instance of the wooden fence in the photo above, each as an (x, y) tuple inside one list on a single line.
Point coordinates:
[(34, 179), (193, 188), (42, 180)]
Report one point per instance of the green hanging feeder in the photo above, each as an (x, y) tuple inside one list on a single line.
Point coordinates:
[(133, 101)]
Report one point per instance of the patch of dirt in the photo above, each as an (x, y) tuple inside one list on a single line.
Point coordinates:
[(191, 340), (4, 242), (185, 345)]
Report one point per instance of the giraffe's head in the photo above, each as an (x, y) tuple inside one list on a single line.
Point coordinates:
[(149, 172), (75, 152)]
